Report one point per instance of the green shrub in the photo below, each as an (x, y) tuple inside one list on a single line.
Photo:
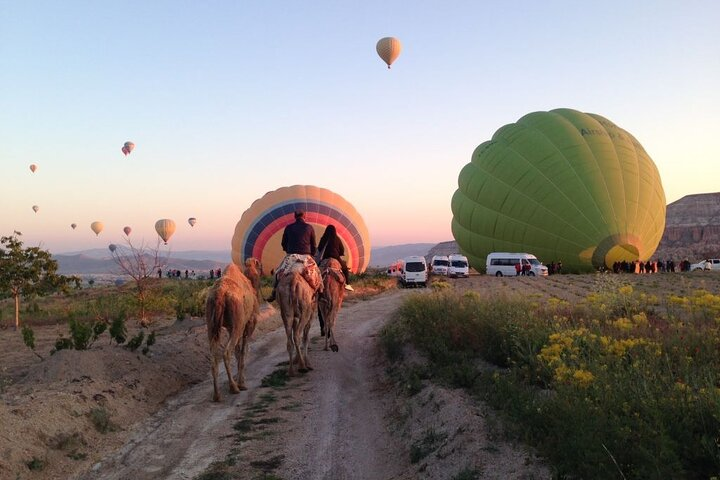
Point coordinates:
[(35, 464), (118, 331), (135, 341), (28, 337), (100, 418)]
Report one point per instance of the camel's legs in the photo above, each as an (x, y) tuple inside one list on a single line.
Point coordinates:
[(216, 390), (240, 351)]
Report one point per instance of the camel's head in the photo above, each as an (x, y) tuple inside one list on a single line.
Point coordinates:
[(253, 263)]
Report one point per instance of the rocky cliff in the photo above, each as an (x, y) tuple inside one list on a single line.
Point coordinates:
[(692, 228)]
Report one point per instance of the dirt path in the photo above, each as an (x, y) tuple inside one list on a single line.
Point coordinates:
[(330, 423)]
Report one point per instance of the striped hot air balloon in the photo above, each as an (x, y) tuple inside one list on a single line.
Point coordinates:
[(562, 185), (259, 231), (388, 48)]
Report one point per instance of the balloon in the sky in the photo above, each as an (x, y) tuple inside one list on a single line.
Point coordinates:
[(112, 247), (33, 167), (165, 228), (128, 148), (35, 208), (389, 49), (97, 227), (192, 221), (127, 230), (73, 226), (259, 231), (563, 185)]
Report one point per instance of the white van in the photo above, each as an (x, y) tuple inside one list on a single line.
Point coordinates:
[(459, 266), (439, 265), (413, 272), (503, 264)]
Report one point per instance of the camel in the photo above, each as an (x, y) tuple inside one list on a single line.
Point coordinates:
[(253, 271), (297, 299), (331, 299), (232, 304)]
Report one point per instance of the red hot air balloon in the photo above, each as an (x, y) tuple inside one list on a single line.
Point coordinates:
[(127, 231)]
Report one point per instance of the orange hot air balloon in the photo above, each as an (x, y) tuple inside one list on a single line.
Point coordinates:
[(389, 49), (127, 231), (165, 228), (33, 167), (97, 227)]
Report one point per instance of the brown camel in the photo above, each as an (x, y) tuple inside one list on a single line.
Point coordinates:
[(297, 301), (231, 304), (253, 271), (330, 300)]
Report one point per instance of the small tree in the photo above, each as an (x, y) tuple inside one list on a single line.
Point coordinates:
[(28, 271), (140, 263)]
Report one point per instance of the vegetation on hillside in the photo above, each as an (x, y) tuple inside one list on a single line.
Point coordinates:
[(622, 385)]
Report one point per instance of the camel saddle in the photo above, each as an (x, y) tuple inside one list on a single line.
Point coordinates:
[(304, 265)]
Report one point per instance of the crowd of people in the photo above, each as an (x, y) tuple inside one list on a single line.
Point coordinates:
[(651, 266), (189, 274)]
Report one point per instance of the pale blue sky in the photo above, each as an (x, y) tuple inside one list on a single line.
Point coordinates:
[(228, 100)]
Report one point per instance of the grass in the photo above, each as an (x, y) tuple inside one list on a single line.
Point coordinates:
[(624, 382), (276, 379), (100, 418)]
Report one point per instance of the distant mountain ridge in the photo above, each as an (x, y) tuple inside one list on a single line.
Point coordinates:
[(80, 263)]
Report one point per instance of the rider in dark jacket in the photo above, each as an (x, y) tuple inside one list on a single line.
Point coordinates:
[(331, 247), (298, 237)]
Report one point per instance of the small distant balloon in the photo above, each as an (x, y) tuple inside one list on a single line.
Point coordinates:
[(33, 167), (128, 148), (73, 226), (127, 231), (165, 228), (192, 221), (389, 49), (36, 208), (112, 247), (97, 227)]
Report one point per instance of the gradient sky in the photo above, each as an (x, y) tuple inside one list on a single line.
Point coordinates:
[(227, 100)]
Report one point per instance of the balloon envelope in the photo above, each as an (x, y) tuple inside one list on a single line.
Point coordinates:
[(563, 185), (259, 231), (127, 230), (97, 227), (73, 226), (33, 167), (165, 228), (112, 247), (389, 49), (35, 208), (192, 221)]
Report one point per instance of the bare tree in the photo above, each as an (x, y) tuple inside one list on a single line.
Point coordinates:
[(140, 263)]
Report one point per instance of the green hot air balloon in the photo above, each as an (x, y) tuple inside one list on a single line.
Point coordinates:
[(563, 185)]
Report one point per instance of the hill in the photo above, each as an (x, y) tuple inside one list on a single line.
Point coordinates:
[(692, 228), (384, 256), (81, 264)]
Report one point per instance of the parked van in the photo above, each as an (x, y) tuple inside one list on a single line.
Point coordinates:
[(413, 272), (503, 264), (459, 266), (439, 265), (707, 264)]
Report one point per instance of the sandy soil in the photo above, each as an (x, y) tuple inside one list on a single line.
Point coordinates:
[(342, 420)]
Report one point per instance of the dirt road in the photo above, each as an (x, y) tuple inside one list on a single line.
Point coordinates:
[(329, 423)]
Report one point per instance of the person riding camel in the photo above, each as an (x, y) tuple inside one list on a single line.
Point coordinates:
[(330, 246), (298, 237)]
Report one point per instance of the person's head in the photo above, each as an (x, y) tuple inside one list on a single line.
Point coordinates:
[(330, 231), (299, 214)]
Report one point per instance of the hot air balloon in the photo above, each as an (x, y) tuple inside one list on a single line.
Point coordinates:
[(35, 208), (33, 167), (563, 185), (128, 148), (259, 231), (73, 226), (112, 247), (97, 227), (192, 221), (165, 228), (389, 49), (127, 231)]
